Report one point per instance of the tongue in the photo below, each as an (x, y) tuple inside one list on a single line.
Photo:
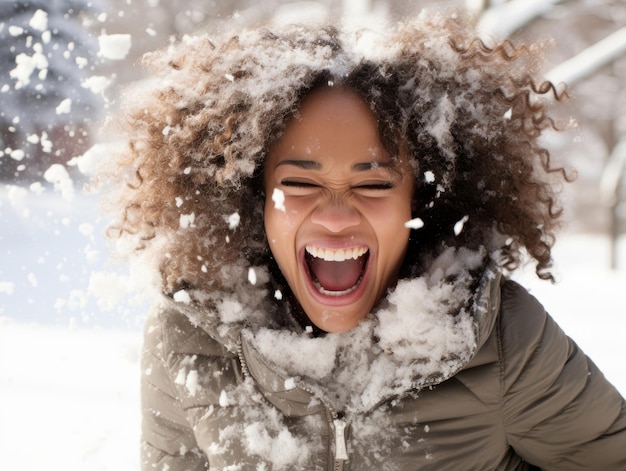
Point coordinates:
[(336, 276)]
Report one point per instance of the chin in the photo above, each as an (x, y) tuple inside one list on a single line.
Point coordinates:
[(333, 320)]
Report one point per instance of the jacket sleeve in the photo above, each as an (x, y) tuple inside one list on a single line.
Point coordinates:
[(560, 412), (167, 440)]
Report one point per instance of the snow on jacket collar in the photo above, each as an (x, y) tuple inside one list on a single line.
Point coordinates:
[(425, 331)]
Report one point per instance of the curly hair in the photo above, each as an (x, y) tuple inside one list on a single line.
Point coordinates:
[(470, 117)]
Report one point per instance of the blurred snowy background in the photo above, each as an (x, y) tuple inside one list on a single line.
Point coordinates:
[(70, 320)]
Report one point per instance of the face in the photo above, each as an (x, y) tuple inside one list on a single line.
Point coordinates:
[(335, 208)]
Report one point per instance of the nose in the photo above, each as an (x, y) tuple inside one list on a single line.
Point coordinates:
[(336, 215)]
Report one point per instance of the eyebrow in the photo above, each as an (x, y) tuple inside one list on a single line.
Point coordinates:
[(359, 167), (365, 166), (303, 164)]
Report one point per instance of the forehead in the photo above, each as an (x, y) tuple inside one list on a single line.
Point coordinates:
[(331, 122), (337, 104)]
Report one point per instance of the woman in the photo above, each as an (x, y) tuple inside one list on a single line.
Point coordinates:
[(332, 216)]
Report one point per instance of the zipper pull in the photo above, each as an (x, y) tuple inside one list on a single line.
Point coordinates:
[(340, 440)]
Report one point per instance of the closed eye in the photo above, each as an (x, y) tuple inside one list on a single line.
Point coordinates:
[(374, 186), (298, 184)]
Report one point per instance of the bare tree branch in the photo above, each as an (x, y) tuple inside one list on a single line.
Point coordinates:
[(504, 19), (587, 62)]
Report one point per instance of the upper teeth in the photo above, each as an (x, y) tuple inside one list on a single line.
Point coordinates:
[(336, 255)]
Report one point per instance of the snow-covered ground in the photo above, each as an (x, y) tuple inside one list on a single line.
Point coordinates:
[(70, 335), (69, 398)]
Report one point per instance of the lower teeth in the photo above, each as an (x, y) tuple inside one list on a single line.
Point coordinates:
[(326, 292)]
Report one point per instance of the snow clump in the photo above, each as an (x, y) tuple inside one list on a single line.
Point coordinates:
[(58, 176), (233, 221), (278, 197), (458, 227), (416, 223), (182, 296), (39, 20), (65, 107), (114, 46)]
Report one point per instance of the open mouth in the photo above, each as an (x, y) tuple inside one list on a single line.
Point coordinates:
[(336, 272)]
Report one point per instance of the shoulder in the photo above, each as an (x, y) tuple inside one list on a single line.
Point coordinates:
[(518, 305), (524, 325), (532, 345), (179, 353), (170, 330), (515, 331)]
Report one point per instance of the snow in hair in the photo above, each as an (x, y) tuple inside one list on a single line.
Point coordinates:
[(197, 133)]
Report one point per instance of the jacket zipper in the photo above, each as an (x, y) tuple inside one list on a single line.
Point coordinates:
[(337, 424), (341, 453)]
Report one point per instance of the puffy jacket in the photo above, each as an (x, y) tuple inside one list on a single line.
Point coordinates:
[(529, 398)]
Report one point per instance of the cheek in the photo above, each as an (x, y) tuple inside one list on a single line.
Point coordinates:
[(273, 220), (389, 215), (280, 223), (388, 221)]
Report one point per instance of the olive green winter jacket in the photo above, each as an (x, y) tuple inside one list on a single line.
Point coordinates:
[(529, 398)]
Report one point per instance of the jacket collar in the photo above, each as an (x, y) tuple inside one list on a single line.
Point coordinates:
[(236, 321), (297, 395)]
